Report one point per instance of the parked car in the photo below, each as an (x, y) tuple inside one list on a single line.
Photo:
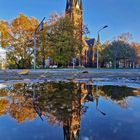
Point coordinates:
[(53, 66)]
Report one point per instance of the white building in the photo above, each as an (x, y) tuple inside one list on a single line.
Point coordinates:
[(2, 58)]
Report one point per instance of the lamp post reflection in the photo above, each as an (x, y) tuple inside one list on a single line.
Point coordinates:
[(97, 101), (36, 107)]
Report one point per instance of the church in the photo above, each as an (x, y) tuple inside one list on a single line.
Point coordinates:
[(74, 9)]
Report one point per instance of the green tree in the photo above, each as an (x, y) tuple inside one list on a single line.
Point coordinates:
[(119, 51), (63, 45)]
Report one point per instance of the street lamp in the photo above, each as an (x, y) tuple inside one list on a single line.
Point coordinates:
[(41, 28), (0, 39), (98, 42)]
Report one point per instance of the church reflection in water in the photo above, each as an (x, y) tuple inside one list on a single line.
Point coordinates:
[(58, 103)]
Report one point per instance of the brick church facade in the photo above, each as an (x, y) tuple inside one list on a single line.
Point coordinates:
[(74, 9)]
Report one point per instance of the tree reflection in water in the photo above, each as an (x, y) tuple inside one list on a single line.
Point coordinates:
[(58, 103)]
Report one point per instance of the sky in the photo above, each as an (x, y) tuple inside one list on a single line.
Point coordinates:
[(121, 16)]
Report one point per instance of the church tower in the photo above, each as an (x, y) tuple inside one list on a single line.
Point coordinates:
[(74, 9)]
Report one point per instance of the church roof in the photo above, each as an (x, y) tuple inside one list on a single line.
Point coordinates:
[(90, 42)]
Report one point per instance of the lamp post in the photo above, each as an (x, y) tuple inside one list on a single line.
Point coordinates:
[(0, 39), (41, 28), (98, 42), (73, 62)]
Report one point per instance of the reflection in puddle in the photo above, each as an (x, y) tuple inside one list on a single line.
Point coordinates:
[(68, 105)]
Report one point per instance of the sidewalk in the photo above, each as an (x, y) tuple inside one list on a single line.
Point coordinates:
[(69, 74)]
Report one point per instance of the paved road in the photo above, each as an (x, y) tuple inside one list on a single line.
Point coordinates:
[(102, 76)]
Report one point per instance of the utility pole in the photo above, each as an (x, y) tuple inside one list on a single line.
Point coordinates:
[(0, 39), (41, 28)]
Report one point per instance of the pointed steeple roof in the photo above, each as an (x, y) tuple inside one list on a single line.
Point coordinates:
[(79, 3), (69, 5), (73, 3)]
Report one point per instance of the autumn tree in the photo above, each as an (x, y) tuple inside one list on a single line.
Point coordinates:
[(58, 41), (4, 106), (136, 47), (5, 35), (21, 50)]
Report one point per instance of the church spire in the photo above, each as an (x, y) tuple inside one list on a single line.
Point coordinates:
[(79, 3), (74, 3), (69, 5), (74, 10)]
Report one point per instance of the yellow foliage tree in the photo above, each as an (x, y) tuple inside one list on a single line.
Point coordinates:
[(4, 33), (22, 29), (4, 105)]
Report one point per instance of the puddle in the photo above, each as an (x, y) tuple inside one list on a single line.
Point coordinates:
[(54, 111)]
